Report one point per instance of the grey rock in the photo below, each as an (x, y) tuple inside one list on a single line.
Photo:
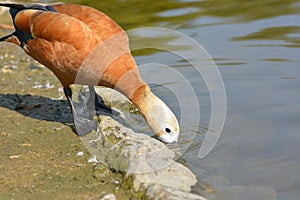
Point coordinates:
[(174, 175), (147, 165), (158, 192), (124, 150)]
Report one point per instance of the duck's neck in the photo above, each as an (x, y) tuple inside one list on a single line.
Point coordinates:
[(151, 107), (142, 97)]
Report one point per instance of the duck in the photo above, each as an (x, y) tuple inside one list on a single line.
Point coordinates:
[(82, 45)]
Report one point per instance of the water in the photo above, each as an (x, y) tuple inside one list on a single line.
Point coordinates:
[(256, 46)]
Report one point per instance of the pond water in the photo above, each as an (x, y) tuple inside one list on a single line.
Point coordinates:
[(256, 47)]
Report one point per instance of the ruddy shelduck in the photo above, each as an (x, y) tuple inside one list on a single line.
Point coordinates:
[(82, 45)]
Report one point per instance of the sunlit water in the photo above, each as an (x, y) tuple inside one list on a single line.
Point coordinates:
[(256, 46)]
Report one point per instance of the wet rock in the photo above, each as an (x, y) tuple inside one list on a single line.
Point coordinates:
[(174, 175)]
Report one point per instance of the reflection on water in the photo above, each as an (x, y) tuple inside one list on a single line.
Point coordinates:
[(289, 34), (256, 46), (244, 11)]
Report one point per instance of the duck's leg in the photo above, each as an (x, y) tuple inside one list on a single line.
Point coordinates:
[(83, 113), (99, 102)]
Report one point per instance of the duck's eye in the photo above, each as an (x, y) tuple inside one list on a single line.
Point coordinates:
[(168, 130)]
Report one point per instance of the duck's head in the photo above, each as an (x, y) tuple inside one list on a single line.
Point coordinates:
[(158, 115)]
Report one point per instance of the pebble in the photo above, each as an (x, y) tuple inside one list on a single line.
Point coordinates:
[(108, 197), (93, 159), (80, 154)]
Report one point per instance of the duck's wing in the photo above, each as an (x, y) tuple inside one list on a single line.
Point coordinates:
[(61, 43), (101, 24)]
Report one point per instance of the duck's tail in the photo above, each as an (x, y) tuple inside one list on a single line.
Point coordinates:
[(19, 7), (13, 5)]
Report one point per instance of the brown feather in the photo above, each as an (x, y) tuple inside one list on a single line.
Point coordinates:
[(63, 28), (102, 25), (23, 19), (13, 39)]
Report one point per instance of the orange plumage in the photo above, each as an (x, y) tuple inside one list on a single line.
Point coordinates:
[(68, 38)]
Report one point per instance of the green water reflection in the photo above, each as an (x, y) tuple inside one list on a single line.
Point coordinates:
[(289, 34), (182, 15), (148, 12)]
